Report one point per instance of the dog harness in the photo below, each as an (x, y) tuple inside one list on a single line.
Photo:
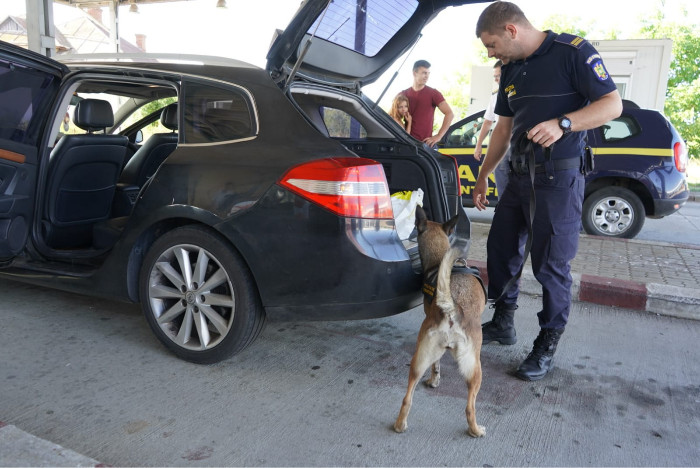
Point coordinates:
[(430, 279)]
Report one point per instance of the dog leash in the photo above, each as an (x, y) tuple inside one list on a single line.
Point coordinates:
[(523, 144)]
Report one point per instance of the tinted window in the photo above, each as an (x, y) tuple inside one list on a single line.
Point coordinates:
[(24, 98), (622, 127), (340, 124), (466, 134), (364, 26), (214, 114)]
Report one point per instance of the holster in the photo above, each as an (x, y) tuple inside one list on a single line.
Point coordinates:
[(588, 160)]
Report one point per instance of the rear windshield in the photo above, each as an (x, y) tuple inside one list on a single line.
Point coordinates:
[(364, 26)]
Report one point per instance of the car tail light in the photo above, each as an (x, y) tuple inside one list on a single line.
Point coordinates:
[(351, 187), (680, 156)]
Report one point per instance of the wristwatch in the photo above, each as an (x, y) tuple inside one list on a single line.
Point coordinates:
[(565, 124)]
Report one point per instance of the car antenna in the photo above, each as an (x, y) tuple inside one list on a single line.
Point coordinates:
[(307, 44), (396, 73)]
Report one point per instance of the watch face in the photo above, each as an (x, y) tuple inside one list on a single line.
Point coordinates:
[(565, 123)]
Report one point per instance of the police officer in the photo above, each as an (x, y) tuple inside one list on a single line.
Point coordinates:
[(553, 88)]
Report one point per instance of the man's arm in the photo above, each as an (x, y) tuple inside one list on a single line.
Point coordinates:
[(446, 121), (480, 139), (598, 112), (498, 145)]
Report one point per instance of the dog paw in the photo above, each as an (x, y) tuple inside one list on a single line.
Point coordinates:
[(400, 427), (433, 382), (478, 432)]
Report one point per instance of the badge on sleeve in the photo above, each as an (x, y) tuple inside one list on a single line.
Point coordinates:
[(596, 63)]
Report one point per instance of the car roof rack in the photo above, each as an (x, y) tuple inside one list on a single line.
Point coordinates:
[(154, 58)]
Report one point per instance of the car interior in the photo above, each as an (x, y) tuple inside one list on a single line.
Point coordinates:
[(98, 166)]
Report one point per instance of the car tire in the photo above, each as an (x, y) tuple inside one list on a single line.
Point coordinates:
[(613, 212), (198, 296)]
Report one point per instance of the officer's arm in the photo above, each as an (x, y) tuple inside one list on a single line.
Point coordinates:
[(598, 112)]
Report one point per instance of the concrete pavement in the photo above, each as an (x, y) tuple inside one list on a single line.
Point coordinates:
[(87, 374), (656, 277)]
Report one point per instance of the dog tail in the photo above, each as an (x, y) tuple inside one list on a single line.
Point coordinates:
[(443, 293)]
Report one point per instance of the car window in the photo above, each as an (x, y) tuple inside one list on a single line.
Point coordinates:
[(364, 30), (143, 111), (23, 102), (214, 114), (622, 127), (465, 135), (340, 124)]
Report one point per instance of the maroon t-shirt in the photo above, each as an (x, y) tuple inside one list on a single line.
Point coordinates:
[(421, 106)]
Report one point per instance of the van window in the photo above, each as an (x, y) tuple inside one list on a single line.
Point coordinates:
[(215, 114), (622, 127), (466, 135)]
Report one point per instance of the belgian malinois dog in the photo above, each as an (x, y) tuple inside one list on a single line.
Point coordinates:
[(453, 310)]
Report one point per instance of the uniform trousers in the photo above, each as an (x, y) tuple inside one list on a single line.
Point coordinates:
[(559, 200)]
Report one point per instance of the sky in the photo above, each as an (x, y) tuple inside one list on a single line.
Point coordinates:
[(245, 29)]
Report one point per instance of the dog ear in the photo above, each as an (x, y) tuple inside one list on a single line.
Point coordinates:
[(421, 219), (449, 226)]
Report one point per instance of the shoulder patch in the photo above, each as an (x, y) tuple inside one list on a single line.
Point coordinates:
[(570, 39)]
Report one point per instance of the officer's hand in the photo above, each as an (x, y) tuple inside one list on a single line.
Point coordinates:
[(545, 133), (479, 193)]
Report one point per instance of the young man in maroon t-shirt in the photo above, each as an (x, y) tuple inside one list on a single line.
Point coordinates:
[(422, 101)]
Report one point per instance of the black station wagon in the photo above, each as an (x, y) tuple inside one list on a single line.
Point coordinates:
[(215, 193)]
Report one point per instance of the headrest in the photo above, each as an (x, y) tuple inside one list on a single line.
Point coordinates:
[(93, 114), (169, 116)]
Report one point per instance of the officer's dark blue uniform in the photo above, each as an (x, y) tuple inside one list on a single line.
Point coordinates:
[(563, 75)]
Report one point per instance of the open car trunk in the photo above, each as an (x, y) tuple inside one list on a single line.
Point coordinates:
[(370, 133)]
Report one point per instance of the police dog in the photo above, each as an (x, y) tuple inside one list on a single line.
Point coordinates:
[(452, 319)]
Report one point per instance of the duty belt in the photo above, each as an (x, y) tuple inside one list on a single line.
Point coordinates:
[(557, 165)]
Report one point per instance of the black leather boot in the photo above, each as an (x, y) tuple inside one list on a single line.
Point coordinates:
[(539, 361), (501, 327)]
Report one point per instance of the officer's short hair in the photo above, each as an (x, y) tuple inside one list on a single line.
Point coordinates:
[(494, 18), (421, 63)]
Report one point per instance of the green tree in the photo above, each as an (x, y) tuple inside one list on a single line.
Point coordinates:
[(683, 91)]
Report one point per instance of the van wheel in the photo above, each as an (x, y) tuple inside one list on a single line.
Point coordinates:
[(198, 296), (613, 212)]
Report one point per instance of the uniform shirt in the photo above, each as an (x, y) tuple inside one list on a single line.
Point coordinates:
[(421, 106), (563, 75)]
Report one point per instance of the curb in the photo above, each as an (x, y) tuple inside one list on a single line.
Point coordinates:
[(660, 299), (19, 448)]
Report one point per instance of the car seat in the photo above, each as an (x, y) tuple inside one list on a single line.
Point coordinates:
[(146, 161), (82, 179)]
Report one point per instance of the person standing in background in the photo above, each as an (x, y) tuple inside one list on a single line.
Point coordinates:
[(490, 118), (399, 112), (422, 103)]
